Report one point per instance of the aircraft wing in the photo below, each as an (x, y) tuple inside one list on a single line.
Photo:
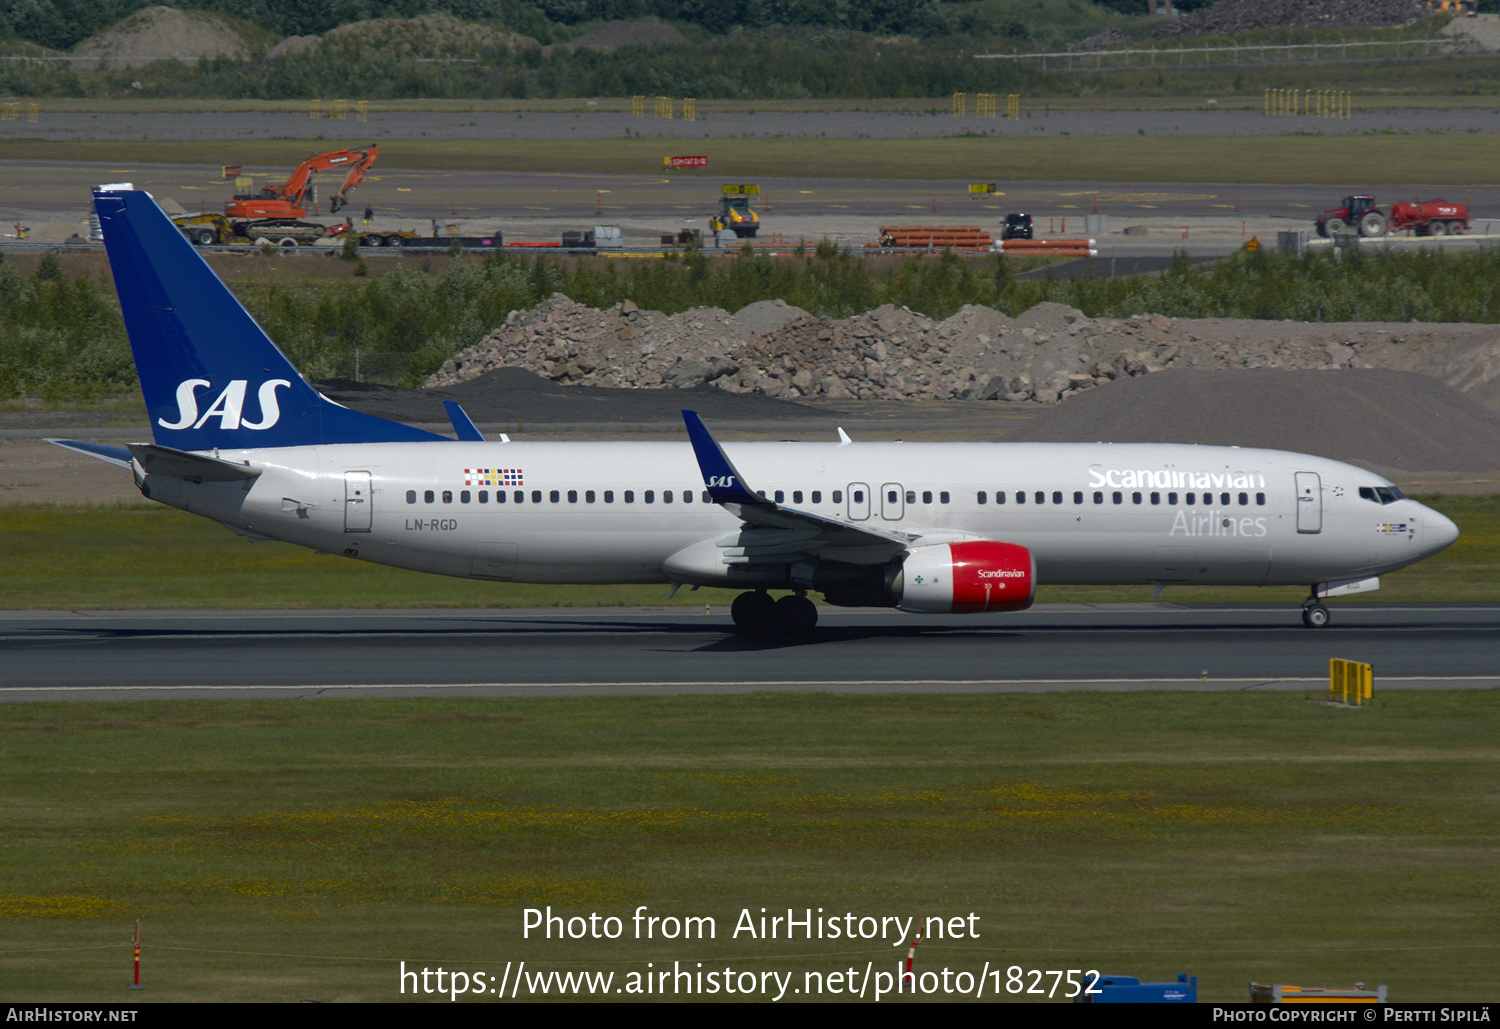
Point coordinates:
[(775, 532)]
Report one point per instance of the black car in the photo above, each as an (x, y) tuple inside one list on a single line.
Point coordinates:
[(1017, 226)]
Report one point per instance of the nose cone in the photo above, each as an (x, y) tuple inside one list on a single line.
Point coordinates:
[(1438, 532)]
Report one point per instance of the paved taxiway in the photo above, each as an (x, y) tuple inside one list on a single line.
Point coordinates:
[(153, 655)]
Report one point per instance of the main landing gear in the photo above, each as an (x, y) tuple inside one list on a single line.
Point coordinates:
[(756, 614), (1315, 614)]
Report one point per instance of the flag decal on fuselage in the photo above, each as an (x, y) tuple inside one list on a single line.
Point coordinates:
[(493, 477)]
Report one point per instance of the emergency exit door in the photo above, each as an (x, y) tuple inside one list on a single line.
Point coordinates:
[(1309, 502)]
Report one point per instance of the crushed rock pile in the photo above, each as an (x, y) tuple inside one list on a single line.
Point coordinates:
[(156, 33), (1047, 354), (1229, 16)]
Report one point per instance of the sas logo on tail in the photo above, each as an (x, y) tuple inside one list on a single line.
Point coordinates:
[(228, 407), (721, 482)]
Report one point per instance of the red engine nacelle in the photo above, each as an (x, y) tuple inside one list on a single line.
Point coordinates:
[(964, 578)]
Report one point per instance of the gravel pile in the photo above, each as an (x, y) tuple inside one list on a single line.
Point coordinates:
[(161, 32), (1229, 16), (1396, 423), (1047, 354)]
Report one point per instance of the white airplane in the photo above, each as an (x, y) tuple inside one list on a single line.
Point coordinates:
[(241, 438)]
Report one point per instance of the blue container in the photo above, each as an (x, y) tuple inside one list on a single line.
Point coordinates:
[(1127, 989)]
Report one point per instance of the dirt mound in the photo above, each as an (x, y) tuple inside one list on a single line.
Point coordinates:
[(1395, 423), (431, 35), (1047, 354), (627, 33), (160, 33), (508, 396), (1229, 16)]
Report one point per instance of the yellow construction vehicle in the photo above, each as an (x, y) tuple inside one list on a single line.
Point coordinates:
[(735, 213)]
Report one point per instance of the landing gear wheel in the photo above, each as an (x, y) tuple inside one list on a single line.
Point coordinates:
[(795, 616), (1315, 616), (753, 612)]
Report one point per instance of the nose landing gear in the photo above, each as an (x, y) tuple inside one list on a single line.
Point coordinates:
[(1315, 614)]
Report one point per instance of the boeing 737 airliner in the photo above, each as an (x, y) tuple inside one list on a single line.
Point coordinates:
[(242, 438)]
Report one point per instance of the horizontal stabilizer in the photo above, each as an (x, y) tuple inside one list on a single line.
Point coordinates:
[(155, 459), (114, 455)]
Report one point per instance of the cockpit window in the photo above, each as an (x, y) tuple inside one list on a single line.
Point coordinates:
[(1381, 494)]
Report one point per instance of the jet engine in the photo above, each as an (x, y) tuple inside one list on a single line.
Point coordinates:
[(966, 578)]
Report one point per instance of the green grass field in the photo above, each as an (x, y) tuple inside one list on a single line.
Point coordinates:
[(1438, 159), (281, 851), (149, 556)]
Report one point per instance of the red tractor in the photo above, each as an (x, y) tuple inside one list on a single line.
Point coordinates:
[(1428, 218)]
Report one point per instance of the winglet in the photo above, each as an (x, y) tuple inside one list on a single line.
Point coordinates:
[(462, 423), (723, 481)]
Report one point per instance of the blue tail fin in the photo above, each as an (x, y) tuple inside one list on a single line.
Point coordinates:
[(210, 374)]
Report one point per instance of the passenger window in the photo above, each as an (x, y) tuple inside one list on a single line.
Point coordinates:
[(761, 493), (650, 496), (1135, 498), (859, 496), (1098, 497), (838, 496), (890, 496), (707, 499), (1041, 498), (926, 496), (1244, 499), (817, 496), (1156, 498), (1189, 498), (979, 497), (519, 496), (999, 496), (630, 496), (687, 496), (1057, 496), (464, 497), (666, 496), (1020, 496), (411, 496), (572, 496), (796, 496), (1078, 496), (555, 497), (943, 497), (588, 497), (609, 496), (781, 496), (1260, 499), (1172, 499), (429, 497), (447, 496), (484, 496), (1118, 497), (536, 496)]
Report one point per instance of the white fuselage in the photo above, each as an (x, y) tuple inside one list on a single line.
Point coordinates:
[(619, 512)]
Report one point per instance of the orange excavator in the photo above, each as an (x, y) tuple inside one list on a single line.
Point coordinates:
[(276, 212), (287, 200)]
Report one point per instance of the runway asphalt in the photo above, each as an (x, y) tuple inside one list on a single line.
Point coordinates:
[(67, 655)]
